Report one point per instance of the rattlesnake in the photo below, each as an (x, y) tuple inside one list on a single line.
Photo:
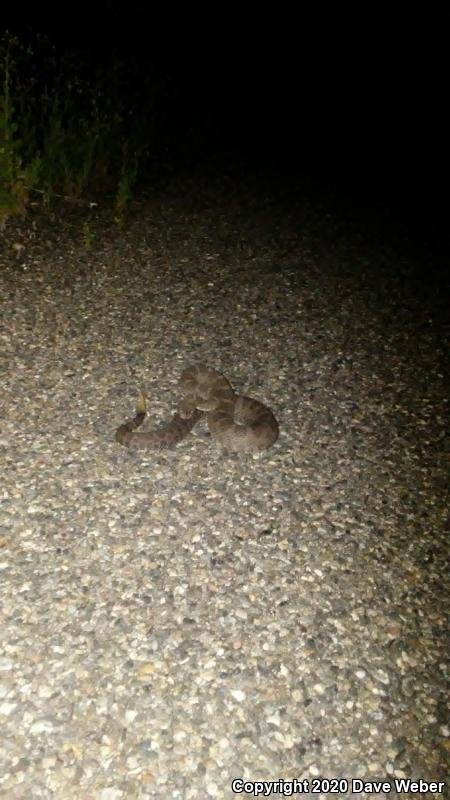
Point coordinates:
[(238, 423)]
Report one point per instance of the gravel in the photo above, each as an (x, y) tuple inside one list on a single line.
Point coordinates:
[(172, 621)]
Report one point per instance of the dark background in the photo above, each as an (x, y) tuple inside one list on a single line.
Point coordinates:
[(348, 102)]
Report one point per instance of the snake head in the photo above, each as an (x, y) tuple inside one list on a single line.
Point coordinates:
[(186, 408)]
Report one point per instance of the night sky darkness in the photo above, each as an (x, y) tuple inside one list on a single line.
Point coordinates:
[(354, 99)]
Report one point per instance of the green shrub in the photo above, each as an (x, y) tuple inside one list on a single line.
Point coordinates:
[(70, 126)]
